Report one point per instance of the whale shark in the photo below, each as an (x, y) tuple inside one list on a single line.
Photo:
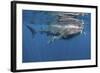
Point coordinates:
[(66, 27)]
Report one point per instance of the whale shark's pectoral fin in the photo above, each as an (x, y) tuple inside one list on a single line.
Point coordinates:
[(52, 39), (84, 33)]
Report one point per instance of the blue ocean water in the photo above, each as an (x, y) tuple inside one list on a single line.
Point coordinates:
[(35, 44)]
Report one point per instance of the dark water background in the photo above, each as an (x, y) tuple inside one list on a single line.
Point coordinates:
[(36, 47)]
